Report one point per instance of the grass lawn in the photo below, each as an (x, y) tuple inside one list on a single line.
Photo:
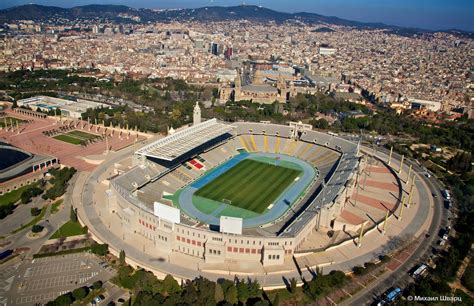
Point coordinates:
[(69, 229), (281, 163), (75, 137), (55, 206), (250, 185), (205, 205), (14, 120), (14, 195), (68, 139), (81, 134), (234, 211)]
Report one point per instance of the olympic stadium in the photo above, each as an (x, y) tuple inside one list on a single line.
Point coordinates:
[(221, 191)]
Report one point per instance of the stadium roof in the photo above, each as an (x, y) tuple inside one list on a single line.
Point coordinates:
[(179, 143)]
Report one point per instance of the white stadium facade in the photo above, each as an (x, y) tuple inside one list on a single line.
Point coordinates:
[(142, 197)]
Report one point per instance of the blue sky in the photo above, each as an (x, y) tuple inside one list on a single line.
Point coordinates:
[(430, 14)]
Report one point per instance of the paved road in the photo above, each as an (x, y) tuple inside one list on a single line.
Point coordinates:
[(51, 222), (20, 265), (400, 276), (21, 215), (113, 293)]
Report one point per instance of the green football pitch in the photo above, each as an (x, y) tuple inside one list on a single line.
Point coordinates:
[(250, 185)]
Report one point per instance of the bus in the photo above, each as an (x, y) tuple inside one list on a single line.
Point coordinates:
[(5, 254), (420, 271), (392, 294)]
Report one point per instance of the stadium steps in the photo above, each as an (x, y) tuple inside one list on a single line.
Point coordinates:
[(232, 146), (277, 145), (217, 156), (290, 146), (211, 161), (271, 143), (149, 196), (242, 141), (303, 149), (179, 174), (248, 142), (253, 143), (224, 154), (174, 182), (325, 158), (314, 156), (330, 160), (192, 173), (265, 143), (294, 146), (313, 149)]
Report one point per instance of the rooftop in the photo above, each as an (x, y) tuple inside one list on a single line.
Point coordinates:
[(179, 143)]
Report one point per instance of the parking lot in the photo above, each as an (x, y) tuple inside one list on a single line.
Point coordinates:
[(42, 280)]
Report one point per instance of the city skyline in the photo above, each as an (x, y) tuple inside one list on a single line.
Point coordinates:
[(432, 15)]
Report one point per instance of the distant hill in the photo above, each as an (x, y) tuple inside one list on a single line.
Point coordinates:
[(120, 13)]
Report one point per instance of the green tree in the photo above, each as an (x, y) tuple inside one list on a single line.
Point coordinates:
[(276, 300), (97, 285), (219, 294), (253, 288), (73, 215), (100, 249), (37, 228), (122, 257), (30, 193), (293, 285), (79, 293), (170, 285), (190, 294), (358, 270), (6, 209), (468, 277), (145, 298), (231, 295), (461, 162), (243, 291), (62, 300), (35, 211)]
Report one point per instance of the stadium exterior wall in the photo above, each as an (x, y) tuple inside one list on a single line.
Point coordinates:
[(216, 247)]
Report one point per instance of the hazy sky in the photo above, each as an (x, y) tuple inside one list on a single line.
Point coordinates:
[(430, 14)]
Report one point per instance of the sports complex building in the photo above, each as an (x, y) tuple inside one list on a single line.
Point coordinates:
[(241, 191), (19, 168)]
